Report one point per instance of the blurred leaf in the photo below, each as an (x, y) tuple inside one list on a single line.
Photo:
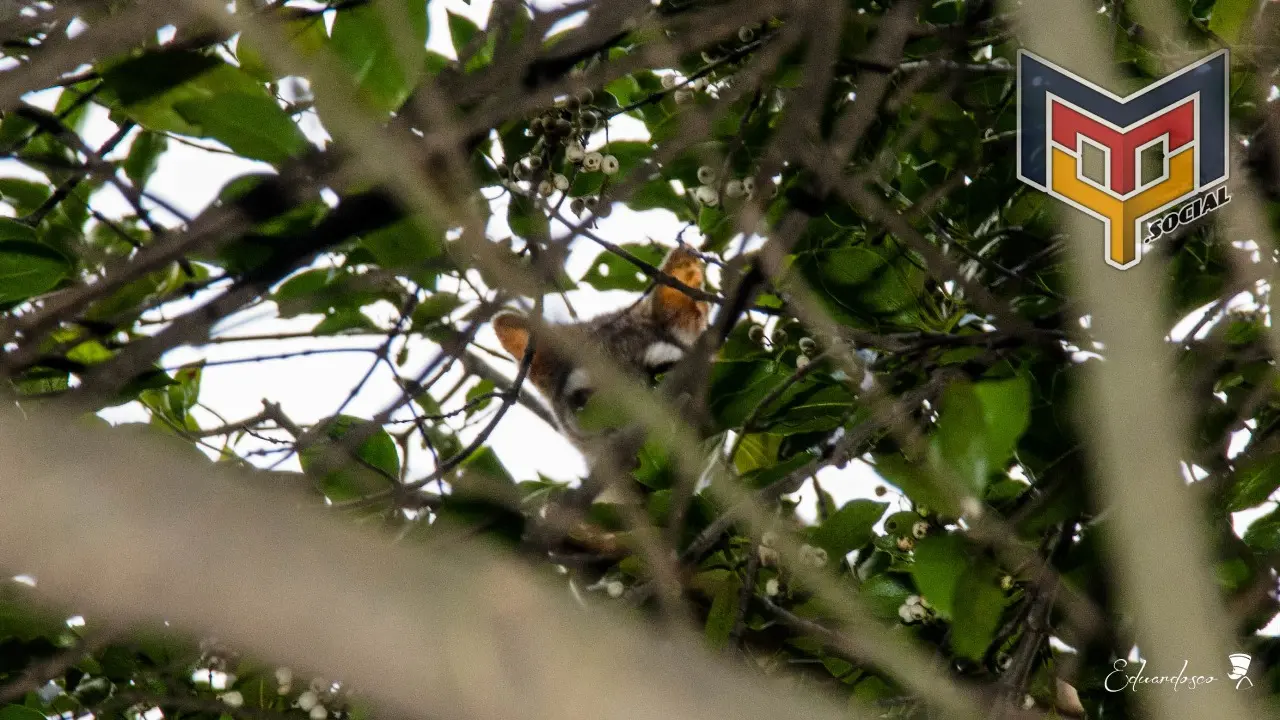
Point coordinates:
[(849, 528), (361, 39), (979, 603), (612, 272), (723, 613), (251, 124), (343, 477), (1264, 534), (940, 561), (144, 156), (24, 195), (484, 387), (527, 220), (27, 268), (1229, 16)]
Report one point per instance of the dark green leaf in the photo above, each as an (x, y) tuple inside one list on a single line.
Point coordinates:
[(251, 124), (527, 220), (979, 603), (27, 268), (1264, 534), (849, 528), (613, 272), (940, 561), (144, 155), (373, 56), (1253, 483)]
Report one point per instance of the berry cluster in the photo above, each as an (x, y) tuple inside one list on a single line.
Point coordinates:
[(561, 138)]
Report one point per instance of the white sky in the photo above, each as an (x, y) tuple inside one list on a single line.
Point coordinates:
[(313, 387)]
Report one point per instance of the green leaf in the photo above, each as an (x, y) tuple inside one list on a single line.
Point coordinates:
[(435, 308), (978, 429), (343, 320), (341, 476), (1253, 483), (147, 88), (757, 450), (1229, 16), (916, 482), (527, 220), (463, 31), (484, 387), (866, 286), (657, 194), (979, 603), (20, 712), (960, 442), (883, 595), (1264, 534), (624, 90), (27, 268), (723, 613), (370, 53), (940, 560), (24, 195), (405, 244), (144, 156), (487, 471), (1006, 411), (251, 124), (613, 272), (602, 413), (849, 528)]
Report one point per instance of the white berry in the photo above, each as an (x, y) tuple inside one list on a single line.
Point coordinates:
[(319, 713), (591, 162), (574, 153), (682, 96), (706, 175), (920, 529), (771, 587), (609, 165), (615, 588), (308, 700), (904, 612), (734, 189), (669, 81), (234, 698), (707, 195), (545, 188), (284, 675), (561, 182), (802, 362)]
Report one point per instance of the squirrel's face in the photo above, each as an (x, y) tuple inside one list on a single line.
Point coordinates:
[(644, 341)]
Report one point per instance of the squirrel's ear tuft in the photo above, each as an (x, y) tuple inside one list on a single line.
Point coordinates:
[(679, 312), (512, 329)]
